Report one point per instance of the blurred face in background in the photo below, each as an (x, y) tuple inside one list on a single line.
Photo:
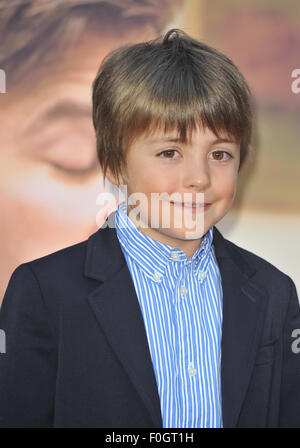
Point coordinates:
[(50, 177)]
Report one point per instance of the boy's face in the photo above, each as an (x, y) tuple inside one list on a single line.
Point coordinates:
[(204, 168)]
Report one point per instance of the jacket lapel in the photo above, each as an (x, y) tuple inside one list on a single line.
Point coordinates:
[(244, 304), (117, 310)]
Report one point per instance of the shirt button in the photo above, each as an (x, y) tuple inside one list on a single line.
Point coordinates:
[(156, 276), (192, 371), (202, 274), (175, 256), (183, 290)]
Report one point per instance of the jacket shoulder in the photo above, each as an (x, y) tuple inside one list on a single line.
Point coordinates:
[(268, 276), (261, 264), (68, 256)]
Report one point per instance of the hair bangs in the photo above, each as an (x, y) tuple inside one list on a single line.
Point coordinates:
[(181, 110)]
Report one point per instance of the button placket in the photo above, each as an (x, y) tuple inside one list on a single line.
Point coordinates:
[(183, 288), (179, 290), (191, 369), (183, 291)]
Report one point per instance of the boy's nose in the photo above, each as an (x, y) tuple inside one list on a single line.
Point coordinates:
[(196, 175)]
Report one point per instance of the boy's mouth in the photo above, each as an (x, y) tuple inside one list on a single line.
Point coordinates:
[(191, 205)]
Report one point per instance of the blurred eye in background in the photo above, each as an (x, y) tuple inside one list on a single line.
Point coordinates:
[(63, 136)]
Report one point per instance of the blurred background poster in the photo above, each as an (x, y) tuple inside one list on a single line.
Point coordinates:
[(50, 178)]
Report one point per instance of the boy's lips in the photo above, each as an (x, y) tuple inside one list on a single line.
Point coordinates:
[(191, 204)]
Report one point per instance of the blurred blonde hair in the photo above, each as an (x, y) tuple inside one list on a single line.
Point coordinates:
[(36, 32)]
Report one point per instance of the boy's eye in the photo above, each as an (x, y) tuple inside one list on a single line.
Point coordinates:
[(220, 155), (168, 153)]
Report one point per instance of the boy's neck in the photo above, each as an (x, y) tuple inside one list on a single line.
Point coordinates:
[(189, 247)]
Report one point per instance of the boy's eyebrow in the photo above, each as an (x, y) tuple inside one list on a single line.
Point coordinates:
[(223, 140), (166, 139), (179, 140)]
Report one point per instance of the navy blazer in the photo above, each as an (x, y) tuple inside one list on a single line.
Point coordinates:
[(77, 353)]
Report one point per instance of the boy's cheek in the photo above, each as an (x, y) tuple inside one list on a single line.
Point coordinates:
[(153, 182), (224, 187)]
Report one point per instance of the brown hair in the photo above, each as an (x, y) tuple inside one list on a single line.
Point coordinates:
[(35, 33), (172, 82)]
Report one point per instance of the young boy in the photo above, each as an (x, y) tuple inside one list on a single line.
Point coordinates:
[(147, 324)]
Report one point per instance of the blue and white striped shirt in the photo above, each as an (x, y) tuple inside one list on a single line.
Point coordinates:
[(181, 304)]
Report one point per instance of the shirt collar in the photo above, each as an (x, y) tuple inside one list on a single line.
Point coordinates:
[(151, 256)]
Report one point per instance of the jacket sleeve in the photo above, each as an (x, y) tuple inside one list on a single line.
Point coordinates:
[(28, 354), (289, 416)]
